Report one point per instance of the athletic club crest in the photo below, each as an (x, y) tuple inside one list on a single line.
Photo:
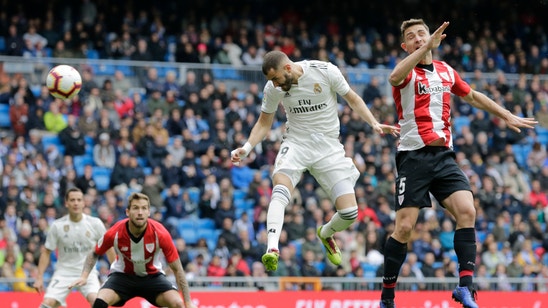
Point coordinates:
[(149, 247), (317, 88)]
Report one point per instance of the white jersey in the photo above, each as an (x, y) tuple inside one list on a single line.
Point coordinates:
[(311, 105), (74, 241)]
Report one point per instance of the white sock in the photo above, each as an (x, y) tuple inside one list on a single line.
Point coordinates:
[(275, 215), (340, 221)]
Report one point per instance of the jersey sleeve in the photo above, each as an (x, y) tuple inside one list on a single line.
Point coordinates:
[(51, 238), (271, 98), (166, 244), (105, 242), (460, 87), (336, 80)]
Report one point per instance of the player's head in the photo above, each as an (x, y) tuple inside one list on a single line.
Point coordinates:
[(138, 209), (74, 200), (414, 33), (277, 68)]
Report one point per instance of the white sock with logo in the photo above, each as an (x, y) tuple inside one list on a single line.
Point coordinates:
[(275, 215)]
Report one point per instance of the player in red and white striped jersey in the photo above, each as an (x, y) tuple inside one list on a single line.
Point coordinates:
[(422, 88), (137, 270)]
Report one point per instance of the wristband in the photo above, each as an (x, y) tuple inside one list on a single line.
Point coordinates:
[(247, 148)]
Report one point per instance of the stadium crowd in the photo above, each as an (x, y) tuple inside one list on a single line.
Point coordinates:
[(172, 141)]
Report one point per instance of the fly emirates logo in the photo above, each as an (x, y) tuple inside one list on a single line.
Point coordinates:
[(305, 106), (423, 89)]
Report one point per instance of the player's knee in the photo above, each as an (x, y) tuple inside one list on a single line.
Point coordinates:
[(350, 213), (281, 193), (99, 303)]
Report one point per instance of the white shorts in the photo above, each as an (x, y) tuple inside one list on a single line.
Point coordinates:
[(324, 157), (58, 287)]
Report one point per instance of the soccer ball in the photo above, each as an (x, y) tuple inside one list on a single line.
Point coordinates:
[(64, 81)]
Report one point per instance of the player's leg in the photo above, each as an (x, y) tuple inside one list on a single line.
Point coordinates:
[(288, 170), (347, 212), (116, 290), (160, 292), (337, 174), (56, 292), (170, 299), (106, 297), (281, 196), (395, 251), (461, 205), (412, 193)]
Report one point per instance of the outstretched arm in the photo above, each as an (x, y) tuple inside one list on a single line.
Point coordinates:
[(182, 283), (481, 101), (358, 105)]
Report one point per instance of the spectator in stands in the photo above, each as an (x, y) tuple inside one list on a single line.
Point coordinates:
[(72, 138), (53, 119), (104, 154), (121, 173), (19, 115)]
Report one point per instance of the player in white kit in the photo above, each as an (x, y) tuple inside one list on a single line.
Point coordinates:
[(308, 91), (73, 236)]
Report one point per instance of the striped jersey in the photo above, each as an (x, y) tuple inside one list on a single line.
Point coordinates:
[(423, 104), (311, 105), (138, 256)]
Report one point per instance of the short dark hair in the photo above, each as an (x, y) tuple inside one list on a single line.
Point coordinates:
[(409, 23), (70, 190), (137, 196), (272, 60)]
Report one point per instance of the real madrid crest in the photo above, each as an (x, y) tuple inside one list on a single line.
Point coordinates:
[(317, 88), (88, 234), (66, 228)]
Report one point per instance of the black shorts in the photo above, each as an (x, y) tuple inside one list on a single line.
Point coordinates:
[(130, 286), (427, 170)]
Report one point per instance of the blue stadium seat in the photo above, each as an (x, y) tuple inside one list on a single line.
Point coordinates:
[(187, 223), (101, 176), (205, 223), (239, 194), (188, 234), (194, 194), (103, 69), (127, 70), (5, 116), (80, 161), (48, 140), (459, 123), (92, 54), (2, 44)]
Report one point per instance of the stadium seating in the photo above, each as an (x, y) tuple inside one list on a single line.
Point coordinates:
[(101, 176), (5, 116)]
